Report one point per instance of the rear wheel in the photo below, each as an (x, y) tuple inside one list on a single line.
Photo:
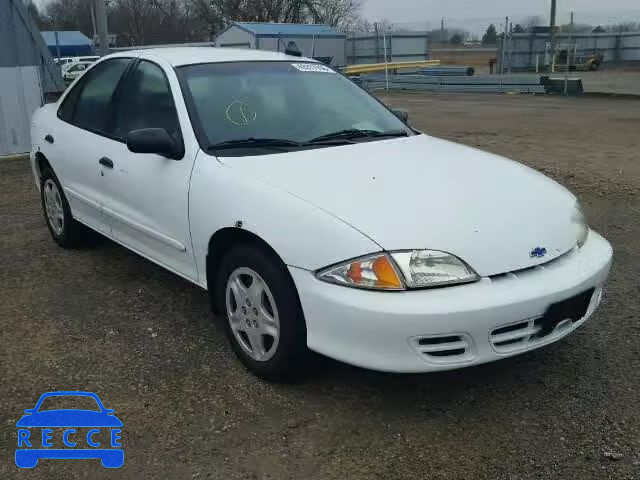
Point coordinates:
[(66, 231), (264, 324)]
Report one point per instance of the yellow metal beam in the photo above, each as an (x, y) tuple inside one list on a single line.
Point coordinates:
[(381, 67)]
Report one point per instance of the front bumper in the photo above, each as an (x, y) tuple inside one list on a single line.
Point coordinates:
[(452, 327)]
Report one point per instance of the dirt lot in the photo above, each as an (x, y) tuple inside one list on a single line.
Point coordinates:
[(474, 57), (104, 320)]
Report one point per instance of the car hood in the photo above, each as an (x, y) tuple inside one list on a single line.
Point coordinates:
[(69, 418), (423, 192)]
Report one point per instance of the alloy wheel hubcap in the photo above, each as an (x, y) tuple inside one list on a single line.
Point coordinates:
[(53, 206), (252, 314)]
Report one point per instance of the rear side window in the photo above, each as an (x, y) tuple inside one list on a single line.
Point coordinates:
[(88, 104), (146, 102)]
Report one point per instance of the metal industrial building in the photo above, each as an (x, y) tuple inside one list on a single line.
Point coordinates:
[(68, 43), (397, 46), (316, 41), (523, 50), (27, 74)]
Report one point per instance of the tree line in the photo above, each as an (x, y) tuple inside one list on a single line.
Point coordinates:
[(148, 22), (529, 25)]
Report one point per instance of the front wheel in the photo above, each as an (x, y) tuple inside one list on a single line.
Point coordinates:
[(264, 324)]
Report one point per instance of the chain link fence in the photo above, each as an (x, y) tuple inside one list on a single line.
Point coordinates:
[(493, 45), (462, 43)]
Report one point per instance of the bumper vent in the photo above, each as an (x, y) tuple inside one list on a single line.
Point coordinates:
[(444, 349), (516, 336)]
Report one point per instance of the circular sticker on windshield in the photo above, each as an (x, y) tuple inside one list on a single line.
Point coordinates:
[(240, 113)]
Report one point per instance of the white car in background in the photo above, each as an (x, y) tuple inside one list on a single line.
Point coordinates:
[(74, 70), (316, 217), (65, 61)]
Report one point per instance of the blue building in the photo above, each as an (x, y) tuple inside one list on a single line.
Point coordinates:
[(69, 43)]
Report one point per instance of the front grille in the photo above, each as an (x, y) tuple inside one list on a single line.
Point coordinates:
[(527, 333), (524, 272), (444, 349)]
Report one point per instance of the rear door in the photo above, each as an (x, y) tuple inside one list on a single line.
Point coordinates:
[(80, 138), (147, 196)]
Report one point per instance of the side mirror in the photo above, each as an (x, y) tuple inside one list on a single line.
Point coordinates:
[(154, 140), (109, 411), (402, 115), (29, 411)]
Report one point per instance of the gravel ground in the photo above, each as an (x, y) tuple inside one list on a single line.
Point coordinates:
[(104, 320)]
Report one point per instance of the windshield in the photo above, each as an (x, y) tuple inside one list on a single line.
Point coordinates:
[(287, 101), (73, 402)]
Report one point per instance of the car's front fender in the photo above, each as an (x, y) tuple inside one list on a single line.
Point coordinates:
[(302, 234)]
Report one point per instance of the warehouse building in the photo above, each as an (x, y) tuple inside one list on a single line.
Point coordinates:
[(398, 46), (315, 41), (524, 50), (68, 43), (27, 75)]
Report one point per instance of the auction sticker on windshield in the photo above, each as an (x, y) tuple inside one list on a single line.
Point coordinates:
[(312, 67), (82, 429)]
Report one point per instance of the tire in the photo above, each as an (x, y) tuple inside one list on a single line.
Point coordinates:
[(66, 232), (270, 305)]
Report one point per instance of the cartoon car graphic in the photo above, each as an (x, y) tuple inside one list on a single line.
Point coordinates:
[(68, 418)]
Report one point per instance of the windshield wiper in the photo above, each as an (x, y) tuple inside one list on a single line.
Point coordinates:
[(355, 133), (275, 143)]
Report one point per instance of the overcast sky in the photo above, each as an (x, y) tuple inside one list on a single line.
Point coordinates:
[(431, 11)]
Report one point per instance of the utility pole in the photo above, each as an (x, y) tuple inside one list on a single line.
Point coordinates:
[(510, 56), (575, 49), (569, 60), (552, 27), (92, 9), (101, 21), (375, 26), (503, 50), (54, 24)]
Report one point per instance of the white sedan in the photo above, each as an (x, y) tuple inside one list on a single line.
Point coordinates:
[(71, 71), (318, 220)]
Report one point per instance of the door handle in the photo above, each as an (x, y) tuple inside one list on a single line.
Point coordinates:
[(48, 138), (106, 162)]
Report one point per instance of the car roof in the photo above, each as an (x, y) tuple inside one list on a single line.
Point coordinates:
[(179, 56), (71, 393)]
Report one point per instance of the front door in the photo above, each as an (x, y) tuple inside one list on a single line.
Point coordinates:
[(147, 195)]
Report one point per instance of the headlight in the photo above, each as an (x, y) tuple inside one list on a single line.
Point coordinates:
[(400, 270), (430, 268), (374, 271), (581, 226)]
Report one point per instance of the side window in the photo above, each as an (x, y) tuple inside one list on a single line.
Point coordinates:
[(88, 104), (65, 112), (146, 102)]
